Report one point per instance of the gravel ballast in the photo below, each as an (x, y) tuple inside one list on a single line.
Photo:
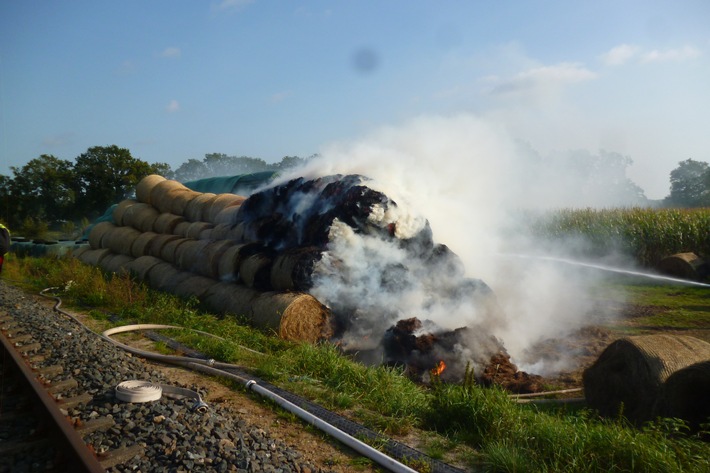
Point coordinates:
[(173, 437)]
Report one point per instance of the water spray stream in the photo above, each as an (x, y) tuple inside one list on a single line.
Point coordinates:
[(607, 268)]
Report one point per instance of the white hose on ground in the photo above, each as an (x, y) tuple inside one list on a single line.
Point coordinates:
[(217, 368)]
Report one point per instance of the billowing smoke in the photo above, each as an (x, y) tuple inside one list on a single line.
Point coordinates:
[(453, 184)]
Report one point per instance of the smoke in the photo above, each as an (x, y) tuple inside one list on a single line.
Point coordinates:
[(469, 179)]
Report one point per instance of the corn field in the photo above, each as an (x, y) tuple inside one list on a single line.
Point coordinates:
[(648, 235)]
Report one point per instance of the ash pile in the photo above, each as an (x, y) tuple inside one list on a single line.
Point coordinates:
[(326, 259)]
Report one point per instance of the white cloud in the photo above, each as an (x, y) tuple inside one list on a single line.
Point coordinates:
[(544, 77), (619, 55), (173, 106), (680, 54), (171, 52)]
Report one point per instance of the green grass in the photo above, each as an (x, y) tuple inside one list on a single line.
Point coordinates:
[(505, 436)]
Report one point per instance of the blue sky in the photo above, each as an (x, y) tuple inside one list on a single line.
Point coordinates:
[(174, 80)]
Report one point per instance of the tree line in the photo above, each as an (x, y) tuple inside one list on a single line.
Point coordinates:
[(49, 191)]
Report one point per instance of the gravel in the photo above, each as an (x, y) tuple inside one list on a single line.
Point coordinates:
[(174, 437)]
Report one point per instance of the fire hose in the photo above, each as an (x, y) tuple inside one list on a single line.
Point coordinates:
[(216, 368)]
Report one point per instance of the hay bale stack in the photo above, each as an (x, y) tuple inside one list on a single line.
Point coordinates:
[(164, 192), (221, 203), (115, 263), (231, 299), (628, 375), (142, 244), (193, 286), (197, 207), (140, 267), (120, 239), (292, 269), (686, 394), (255, 271), (685, 266), (145, 187), (120, 210), (139, 216), (94, 257), (166, 222)]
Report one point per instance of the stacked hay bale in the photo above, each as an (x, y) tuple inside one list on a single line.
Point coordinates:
[(641, 377), (192, 244)]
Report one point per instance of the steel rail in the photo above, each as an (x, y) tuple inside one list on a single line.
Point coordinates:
[(76, 456)]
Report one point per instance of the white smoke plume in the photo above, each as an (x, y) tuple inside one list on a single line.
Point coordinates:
[(467, 177)]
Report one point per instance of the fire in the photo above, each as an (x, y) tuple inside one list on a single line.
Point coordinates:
[(439, 368)]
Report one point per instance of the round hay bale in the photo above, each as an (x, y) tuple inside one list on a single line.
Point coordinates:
[(685, 266), (196, 208), (220, 231), (173, 279), (166, 223), (158, 242), (78, 251), (145, 187), (139, 215), (228, 266), (207, 263), (685, 395), (294, 316), (227, 215), (219, 203), (182, 228), (236, 233), (193, 286), (255, 271), (120, 210), (94, 257), (230, 298), (179, 199), (188, 254), (141, 245), (293, 269), (169, 250), (120, 239), (159, 192), (205, 234), (140, 267), (98, 232), (195, 228), (116, 264), (627, 376), (160, 274)]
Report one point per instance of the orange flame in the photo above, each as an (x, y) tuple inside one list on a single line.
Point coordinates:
[(439, 368)]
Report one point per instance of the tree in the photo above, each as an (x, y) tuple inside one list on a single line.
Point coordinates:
[(289, 162), (690, 184), (43, 188), (191, 170), (105, 175)]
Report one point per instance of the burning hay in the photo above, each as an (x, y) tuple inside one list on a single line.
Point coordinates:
[(318, 259), (628, 376)]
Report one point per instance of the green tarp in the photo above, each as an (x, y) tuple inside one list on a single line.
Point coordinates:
[(242, 184)]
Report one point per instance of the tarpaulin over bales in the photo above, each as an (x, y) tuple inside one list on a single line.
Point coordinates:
[(243, 184)]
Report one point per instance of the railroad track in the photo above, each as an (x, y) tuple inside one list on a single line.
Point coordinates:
[(36, 433)]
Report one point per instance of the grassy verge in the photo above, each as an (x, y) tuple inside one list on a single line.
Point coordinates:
[(506, 436)]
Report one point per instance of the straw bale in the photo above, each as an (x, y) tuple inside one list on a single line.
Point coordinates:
[(168, 280), (116, 263), (684, 265), (292, 269), (255, 271), (120, 239), (140, 267), (230, 298), (193, 286), (195, 209), (158, 242), (166, 222), (227, 215), (77, 252), (178, 200), (686, 395), (236, 232), (141, 245), (120, 210), (160, 274), (207, 263), (195, 228), (139, 214), (145, 187), (97, 234), (630, 372), (189, 252), (219, 203), (205, 234), (169, 250), (182, 228), (159, 192), (220, 231), (294, 316), (94, 257)]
